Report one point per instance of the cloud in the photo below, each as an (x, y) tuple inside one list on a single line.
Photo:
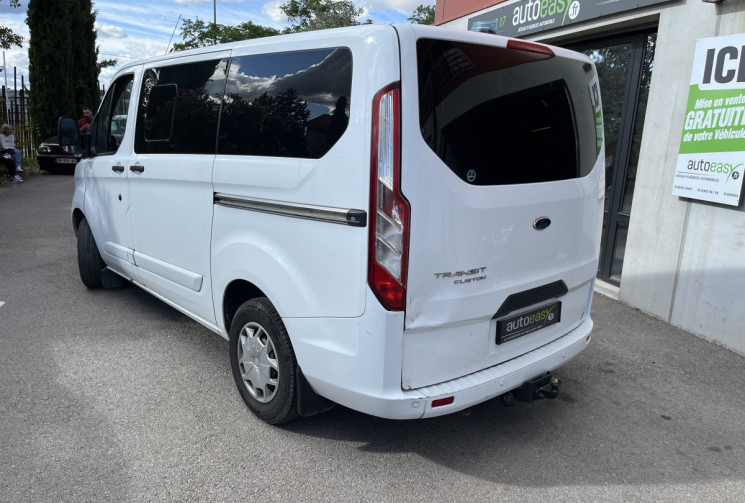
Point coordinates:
[(273, 11), (369, 8), (403, 6), (110, 31)]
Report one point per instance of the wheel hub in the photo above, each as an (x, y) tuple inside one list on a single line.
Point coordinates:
[(257, 360)]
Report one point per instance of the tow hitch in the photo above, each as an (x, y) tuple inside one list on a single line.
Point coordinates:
[(545, 386)]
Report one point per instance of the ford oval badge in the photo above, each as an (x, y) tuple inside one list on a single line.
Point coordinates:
[(541, 223)]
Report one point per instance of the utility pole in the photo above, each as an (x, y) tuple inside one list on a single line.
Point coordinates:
[(5, 72)]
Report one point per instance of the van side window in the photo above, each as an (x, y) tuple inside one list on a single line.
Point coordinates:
[(178, 109), (109, 126), (160, 108), (290, 104)]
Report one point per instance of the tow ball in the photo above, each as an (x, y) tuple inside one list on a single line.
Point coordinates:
[(545, 386)]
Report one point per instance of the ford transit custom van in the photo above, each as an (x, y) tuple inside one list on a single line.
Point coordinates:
[(401, 219)]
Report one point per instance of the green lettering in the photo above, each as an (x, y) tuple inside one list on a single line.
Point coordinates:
[(562, 7)]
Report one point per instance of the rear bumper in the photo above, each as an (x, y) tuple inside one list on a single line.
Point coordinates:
[(494, 381), (394, 403)]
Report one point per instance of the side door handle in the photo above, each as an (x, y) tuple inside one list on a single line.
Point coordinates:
[(118, 168), (137, 168)]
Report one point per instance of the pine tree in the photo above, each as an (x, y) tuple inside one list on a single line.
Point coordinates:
[(84, 55), (62, 61), (50, 67)]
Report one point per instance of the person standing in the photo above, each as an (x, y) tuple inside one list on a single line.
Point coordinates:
[(85, 122), (7, 148)]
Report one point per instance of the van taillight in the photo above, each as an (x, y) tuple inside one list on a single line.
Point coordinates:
[(389, 222)]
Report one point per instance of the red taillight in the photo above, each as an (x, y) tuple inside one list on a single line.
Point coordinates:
[(389, 211)]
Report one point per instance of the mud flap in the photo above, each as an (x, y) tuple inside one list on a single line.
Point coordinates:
[(110, 279), (309, 402)]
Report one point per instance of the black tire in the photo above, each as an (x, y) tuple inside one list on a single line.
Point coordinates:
[(90, 263), (263, 362)]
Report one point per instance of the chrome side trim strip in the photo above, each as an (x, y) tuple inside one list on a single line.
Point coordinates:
[(328, 214)]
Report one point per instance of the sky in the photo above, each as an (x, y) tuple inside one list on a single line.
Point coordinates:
[(133, 29)]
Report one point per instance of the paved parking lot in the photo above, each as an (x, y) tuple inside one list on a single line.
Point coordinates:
[(112, 395)]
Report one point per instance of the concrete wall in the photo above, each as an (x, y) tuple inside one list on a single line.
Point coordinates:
[(685, 259)]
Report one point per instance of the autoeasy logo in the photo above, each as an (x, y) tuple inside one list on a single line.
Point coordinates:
[(540, 13), (529, 321), (722, 168)]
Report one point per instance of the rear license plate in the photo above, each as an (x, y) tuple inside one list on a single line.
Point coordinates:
[(528, 322), (65, 160)]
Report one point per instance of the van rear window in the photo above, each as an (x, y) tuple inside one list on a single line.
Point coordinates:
[(498, 116)]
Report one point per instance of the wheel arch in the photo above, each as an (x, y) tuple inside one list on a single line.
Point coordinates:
[(77, 217), (236, 294)]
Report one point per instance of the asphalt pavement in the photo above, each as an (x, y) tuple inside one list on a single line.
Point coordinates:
[(111, 395)]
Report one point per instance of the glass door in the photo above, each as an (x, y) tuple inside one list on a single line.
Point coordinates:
[(624, 66)]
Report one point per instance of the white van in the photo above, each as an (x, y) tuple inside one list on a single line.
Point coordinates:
[(401, 219)]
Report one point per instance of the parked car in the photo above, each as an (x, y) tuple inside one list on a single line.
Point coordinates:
[(56, 159)]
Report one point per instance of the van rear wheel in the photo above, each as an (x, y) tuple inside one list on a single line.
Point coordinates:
[(263, 362), (90, 263)]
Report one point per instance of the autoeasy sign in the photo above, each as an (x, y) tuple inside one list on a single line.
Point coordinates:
[(530, 16), (711, 160)]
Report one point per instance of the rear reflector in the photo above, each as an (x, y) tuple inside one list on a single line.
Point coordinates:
[(443, 401)]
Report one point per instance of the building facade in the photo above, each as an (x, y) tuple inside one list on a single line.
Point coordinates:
[(672, 245)]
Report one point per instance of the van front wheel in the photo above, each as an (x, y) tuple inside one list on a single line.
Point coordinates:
[(263, 362), (90, 263)]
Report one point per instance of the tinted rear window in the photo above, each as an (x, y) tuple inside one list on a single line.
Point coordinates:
[(500, 116)]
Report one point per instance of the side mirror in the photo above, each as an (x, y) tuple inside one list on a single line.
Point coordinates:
[(70, 138), (67, 132)]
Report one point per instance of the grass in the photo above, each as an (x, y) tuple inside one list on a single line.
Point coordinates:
[(30, 170)]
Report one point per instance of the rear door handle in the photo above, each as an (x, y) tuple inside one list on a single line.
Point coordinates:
[(137, 168), (118, 168)]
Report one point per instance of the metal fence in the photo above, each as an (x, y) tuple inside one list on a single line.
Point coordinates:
[(15, 111)]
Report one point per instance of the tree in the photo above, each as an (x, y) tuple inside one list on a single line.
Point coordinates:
[(104, 63), (423, 14), (84, 55), (63, 68), (50, 69), (200, 34), (308, 15), (7, 38)]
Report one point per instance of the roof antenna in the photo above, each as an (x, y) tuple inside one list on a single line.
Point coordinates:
[(174, 31)]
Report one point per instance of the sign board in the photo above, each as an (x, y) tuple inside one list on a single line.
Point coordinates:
[(531, 16), (711, 160)]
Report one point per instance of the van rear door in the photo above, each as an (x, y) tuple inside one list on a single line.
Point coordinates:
[(501, 162)]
